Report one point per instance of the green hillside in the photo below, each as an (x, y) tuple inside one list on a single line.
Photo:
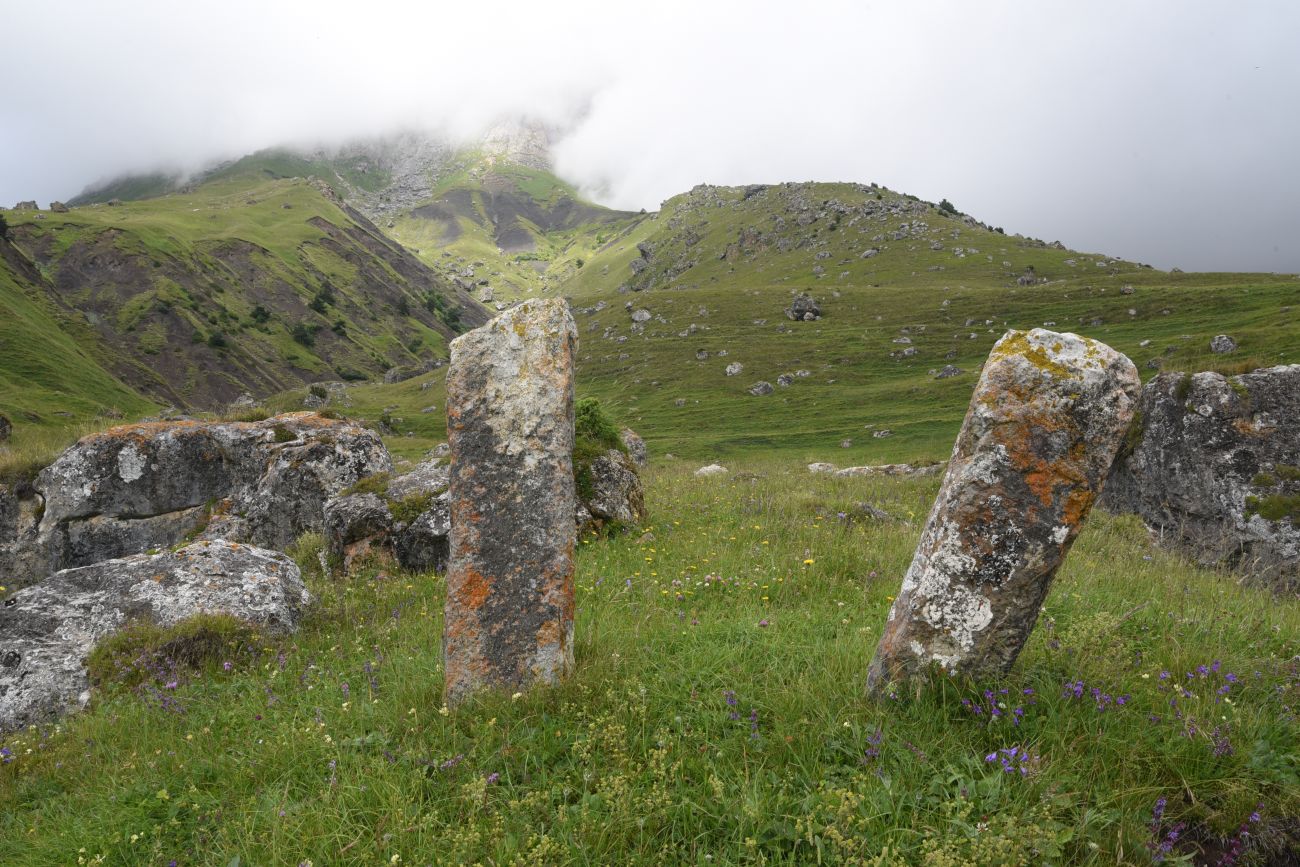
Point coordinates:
[(245, 284), (721, 265)]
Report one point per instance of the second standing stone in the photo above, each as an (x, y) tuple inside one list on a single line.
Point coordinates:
[(509, 611)]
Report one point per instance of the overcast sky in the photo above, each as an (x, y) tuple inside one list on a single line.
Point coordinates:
[(1165, 131)]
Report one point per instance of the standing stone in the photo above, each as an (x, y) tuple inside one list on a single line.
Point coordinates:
[(509, 610), (1045, 421)]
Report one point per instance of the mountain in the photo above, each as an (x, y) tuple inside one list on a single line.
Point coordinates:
[(912, 296), (241, 284)]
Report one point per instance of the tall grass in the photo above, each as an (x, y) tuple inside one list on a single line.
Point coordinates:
[(717, 715)]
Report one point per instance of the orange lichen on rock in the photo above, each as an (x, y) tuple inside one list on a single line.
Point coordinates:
[(1045, 421)]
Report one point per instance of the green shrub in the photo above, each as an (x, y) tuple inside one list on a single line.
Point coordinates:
[(411, 507), (318, 391), (376, 484), (594, 434), (1287, 473), (304, 333), (283, 434)]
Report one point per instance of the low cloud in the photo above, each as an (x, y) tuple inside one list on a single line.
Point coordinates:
[(1163, 132)]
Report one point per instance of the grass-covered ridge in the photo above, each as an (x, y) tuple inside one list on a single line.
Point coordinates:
[(717, 715), (240, 284)]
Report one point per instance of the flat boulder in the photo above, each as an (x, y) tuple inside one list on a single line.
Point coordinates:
[(1212, 466), (47, 631)]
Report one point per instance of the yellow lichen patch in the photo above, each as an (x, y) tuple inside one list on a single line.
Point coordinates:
[(1017, 343)]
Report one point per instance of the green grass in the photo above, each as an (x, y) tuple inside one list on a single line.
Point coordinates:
[(717, 714)]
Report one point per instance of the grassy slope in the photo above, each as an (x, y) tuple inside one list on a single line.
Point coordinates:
[(178, 326), (332, 746), (557, 251), (855, 386)]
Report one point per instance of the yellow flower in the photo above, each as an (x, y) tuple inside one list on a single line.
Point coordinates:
[(809, 562)]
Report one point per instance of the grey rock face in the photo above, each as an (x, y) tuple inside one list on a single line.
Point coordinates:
[(47, 631), (1213, 467), (509, 610), (428, 478), (424, 544), (616, 492), (635, 446), (353, 523), (1044, 424), (1222, 343), (149, 485)]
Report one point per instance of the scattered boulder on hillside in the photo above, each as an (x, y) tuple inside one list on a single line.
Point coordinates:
[(6, 428), (893, 470), (641, 315), (948, 372), (785, 380), (701, 355), (1222, 343), (734, 368), (47, 631), (803, 309), (510, 598), (1212, 466), (29, 205), (58, 208), (636, 449), (1044, 423), (711, 470), (870, 253), (761, 388), (150, 485)]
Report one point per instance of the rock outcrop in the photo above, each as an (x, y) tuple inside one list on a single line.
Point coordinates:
[(47, 631), (635, 446), (803, 309), (150, 485), (1046, 419), (1212, 466), (510, 421), (613, 494)]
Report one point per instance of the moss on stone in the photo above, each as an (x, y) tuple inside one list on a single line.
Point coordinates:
[(1263, 480), (1277, 507)]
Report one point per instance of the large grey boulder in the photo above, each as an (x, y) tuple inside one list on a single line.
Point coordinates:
[(803, 309), (510, 421), (1212, 466), (46, 631), (142, 486), (428, 478), (1046, 419)]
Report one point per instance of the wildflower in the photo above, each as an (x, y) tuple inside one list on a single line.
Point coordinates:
[(493, 777), (763, 622)]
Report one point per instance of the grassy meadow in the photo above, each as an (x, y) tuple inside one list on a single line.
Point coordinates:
[(717, 715)]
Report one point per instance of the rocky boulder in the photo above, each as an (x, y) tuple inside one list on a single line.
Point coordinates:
[(610, 491), (1212, 466), (1221, 344), (6, 428), (353, 524), (150, 485), (423, 544), (635, 446), (803, 309), (47, 631)]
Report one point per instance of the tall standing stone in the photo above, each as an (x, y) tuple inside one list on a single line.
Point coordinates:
[(1046, 419), (509, 610)]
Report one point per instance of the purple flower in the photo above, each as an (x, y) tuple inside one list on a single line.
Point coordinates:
[(493, 777)]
